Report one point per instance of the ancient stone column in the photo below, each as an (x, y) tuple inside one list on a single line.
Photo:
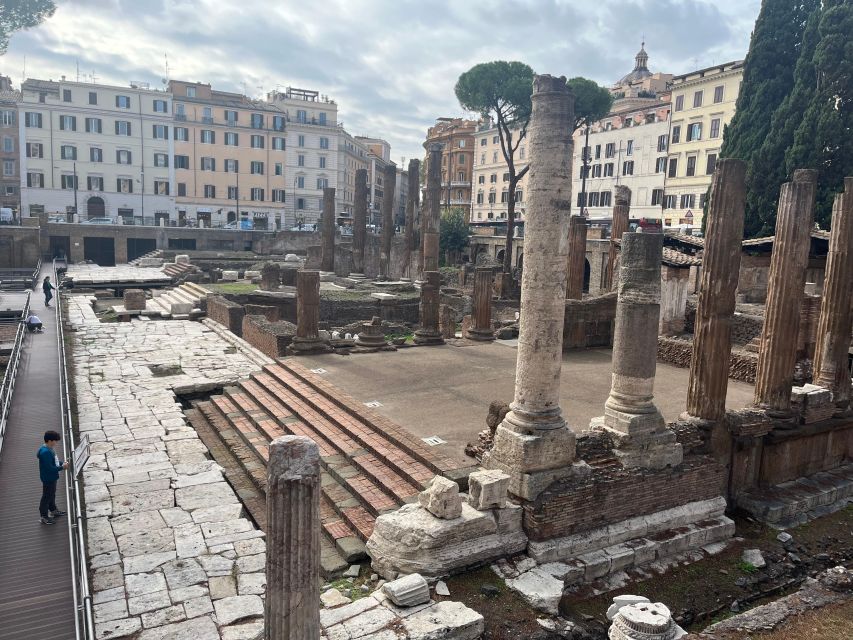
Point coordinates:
[(414, 179), (292, 605), (778, 352), (639, 432), (270, 276), (618, 226), (482, 311), (432, 215), (712, 344), (307, 338), (533, 444), (359, 224), (327, 259), (836, 311), (430, 331), (389, 186), (577, 258)]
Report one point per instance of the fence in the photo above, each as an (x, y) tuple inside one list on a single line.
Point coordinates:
[(8, 384)]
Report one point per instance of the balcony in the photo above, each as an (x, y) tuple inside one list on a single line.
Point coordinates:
[(181, 117), (207, 120)]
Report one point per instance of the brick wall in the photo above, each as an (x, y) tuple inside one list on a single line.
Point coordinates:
[(269, 312), (679, 352), (227, 313), (589, 323), (270, 338)]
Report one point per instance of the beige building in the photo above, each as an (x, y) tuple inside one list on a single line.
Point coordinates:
[(378, 157), (457, 160), (491, 179), (10, 148), (352, 156), (703, 103)]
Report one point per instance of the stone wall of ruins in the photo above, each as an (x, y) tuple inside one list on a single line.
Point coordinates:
[(226, 313), (270, 338), (680, 352), (372, 254), (589, 322)]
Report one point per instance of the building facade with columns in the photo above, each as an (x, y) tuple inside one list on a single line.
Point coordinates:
[(457, 160)]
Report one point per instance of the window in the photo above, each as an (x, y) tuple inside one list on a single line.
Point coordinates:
[(257, 194), (697, 99), (482, 158), (161, 106), (161, 160), (123, 156), (67, 123), (324, 143), (483, 142), (42, 97), (161, 132), (209, 191), (673, 168), (35, 150), (182, 162), (718, 94), (32, 120), (231, 166), (182, 134), (232, 193), (596, 171), (93, 97), (715, 128), (8, 144), (300, 182), (68, 181), (257, 142), (300, 203), (495, 156), (493, 178), (504, 196), (93, 125), (669, 202), (35, 180), (231, 139), (95, 183), (521, 153), (676, 134), (161, 187), (300, 141), (593, 199), (66, 95), (7, 117), (322, 183), (691, 166), (519, 196), (506, 177), (190, 92), (629, 150), (694, 131), (11, 189), (208, 136), (711, 163), (279, 169), (230, 118), (657, 196), (207, 115), (584, 172), (122, 128), (8, 167), (322, 162), (182, 188), (256, 168), (257, 121), (703, 198), (480, 194), (278, 143), (461, 159), (208, 164), (679, 103), (628, 168), (688, 201), (278, 123), (68, 152), (660, 165), (96, 154), (608, 170), (124, 185), (605, 199), (301, 116), (610, 150), (597, 151), (481, 179), (492, 197), (278, 195), (123, 102), (300, 160)]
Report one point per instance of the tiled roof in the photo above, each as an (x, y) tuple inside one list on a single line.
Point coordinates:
[(678, 259), (694, 241)]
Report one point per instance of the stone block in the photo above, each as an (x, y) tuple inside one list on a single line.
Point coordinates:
[(447, 620), (180, 308), (407, 591), (134, 300), (250, 274), (150, 262), (230, 276), (541, 589), (182, 259), (442, 498), (487, 489)]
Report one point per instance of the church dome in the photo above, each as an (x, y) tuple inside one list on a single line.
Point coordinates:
[(641, 69)]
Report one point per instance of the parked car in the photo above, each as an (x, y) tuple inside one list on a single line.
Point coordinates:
[(7, 216), (99, 221), (244, 224), (62, 219)]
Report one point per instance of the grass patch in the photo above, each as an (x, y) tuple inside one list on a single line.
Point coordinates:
[(236, 288), (747, 567)]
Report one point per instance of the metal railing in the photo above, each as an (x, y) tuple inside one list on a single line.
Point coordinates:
[(84, 623), (8, 384)]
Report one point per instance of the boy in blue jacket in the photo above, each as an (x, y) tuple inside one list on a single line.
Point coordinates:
[(49, 468)]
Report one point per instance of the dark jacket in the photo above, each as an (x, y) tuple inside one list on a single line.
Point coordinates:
[(47, 286), (49, 464)]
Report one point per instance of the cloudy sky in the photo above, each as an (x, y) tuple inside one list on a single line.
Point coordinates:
[(390, 64)]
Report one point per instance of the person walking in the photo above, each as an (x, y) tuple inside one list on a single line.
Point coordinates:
[(48, 288), (49, 468)]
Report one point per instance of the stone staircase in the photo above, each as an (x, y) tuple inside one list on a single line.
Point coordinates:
[(179, 270), (369, 464), (185, 294), (157, 253)]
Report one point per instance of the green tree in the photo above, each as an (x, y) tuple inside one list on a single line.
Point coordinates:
[(16, 15), (501, 91), (453, 233), (592, 102)]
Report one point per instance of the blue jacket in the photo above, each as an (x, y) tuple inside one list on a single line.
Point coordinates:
[(49, 464)]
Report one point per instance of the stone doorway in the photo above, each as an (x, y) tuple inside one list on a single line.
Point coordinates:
[(95, 207), (586, 272)]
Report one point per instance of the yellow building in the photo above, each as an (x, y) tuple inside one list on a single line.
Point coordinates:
[(703, 103)]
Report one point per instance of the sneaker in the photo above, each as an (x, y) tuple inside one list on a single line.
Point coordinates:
[(47, 520), (57, 514)]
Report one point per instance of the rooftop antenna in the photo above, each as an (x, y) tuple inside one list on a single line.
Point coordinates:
[(94, 77), (167, 77), (24, 71), (78, 70)]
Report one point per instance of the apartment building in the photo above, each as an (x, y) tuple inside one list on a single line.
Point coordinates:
[(96, 151), (401, 194), (627, 148), (703, 103), (352, 156), (491, 178), (10, 148), (378, 157), (457, 160)]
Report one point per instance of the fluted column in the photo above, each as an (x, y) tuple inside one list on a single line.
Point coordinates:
[(359, 223), (432, 215), (533, 444), (292, 604), (389, 187), (618, 226), (577, 257), (482, 306), (712, 338), (836, 312), (327, 259), (430, 331), (778, 352), (307, 338), (414, 188)]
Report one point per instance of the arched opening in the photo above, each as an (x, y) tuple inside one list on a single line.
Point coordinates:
[(586, 276), (520, 263), (232, 217), (500, 256), (95, 207)]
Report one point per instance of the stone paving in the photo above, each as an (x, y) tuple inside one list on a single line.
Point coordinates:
[(171, 554), (87, 274)]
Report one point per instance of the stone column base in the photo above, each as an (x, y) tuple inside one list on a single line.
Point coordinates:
[(649, 448), (371, 341), (428, 338), (480, 335), (357, 276), (305, 346)]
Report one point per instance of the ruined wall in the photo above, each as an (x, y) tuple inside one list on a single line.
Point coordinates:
[(746, 327), (679, 352), (675, 284), (227, 313), (19, 247), (339, 312), (372, 251), (270, 338), (589, 322), (790, 454), (753, 278), (271, 313)]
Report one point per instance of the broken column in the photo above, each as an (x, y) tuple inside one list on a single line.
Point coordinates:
[(134, 300), (638, 430), (482, 308), (432, 215), (270, 276), (712, 344), (836, 312), (430, 331), (577, 258), (327, 259), (778, 352), (389, 184), (447, 321), (372, 335), (644, 621), (359, 224), (533, 444), (292, 604), (414, 189), (307, 338), (618, 226)]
